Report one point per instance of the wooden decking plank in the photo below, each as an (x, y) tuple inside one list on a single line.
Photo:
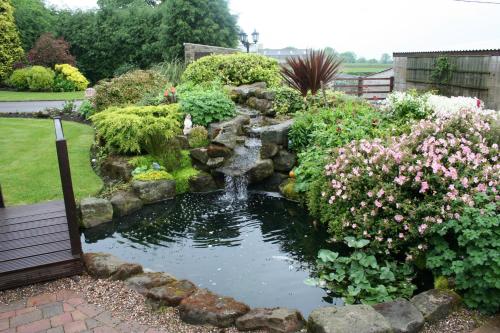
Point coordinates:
[(32, 218), (35, 250), (31, 241), (35, 261), (34, 232), (18, 211), (32, 225)]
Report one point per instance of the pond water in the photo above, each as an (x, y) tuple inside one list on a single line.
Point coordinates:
[(258, 250)]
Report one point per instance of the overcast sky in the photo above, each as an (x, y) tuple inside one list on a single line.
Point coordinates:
[(367, 27)]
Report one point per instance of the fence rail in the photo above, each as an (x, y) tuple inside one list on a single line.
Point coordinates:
[(365, 86)]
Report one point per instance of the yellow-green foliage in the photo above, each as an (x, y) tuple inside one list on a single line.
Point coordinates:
[(73, 75), (198, 137), (287, 188), (35, 78), (184, 173), (234, 69), (153, 175), (128, 129), (441, 282), (10, 43)]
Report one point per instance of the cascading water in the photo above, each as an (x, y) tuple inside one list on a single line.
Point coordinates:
[(235, 178)]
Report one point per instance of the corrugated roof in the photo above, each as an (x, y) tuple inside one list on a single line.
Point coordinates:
[(491, 52)]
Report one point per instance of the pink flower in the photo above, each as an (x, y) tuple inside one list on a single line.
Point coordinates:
[(378, 204), (424, 187), (401, 235), (465, 182), (380, 193), (422, 228), (398, 218), (370, 194)]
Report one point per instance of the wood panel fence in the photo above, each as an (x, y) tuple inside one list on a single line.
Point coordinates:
[(370, 88)]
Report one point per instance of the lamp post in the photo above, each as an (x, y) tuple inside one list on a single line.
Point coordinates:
[(244, 39)]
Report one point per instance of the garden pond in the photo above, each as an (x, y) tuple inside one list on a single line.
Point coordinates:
[(258, 249)]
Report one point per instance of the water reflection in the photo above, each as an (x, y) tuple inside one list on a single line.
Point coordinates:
[(259, 250)]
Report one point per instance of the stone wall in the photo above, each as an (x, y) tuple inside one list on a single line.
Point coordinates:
[(194, 52), (477, 73)]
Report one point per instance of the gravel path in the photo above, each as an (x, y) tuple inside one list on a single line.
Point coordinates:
[(33, 106)]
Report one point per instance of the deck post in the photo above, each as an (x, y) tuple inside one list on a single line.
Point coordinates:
[(391, 84), (360, 86), (2, 204), (67, 188)]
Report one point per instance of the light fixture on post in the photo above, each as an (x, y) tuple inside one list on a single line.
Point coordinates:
[(244, 39)]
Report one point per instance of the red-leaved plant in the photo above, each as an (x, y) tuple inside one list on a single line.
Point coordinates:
[(307, 73), (49, 51)]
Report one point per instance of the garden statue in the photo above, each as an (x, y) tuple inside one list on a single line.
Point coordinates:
[(188, 124)]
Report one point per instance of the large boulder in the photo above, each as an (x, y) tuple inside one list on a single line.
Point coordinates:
[(117, 168), (104, 265), (260, 104), (348, 319), (435, 304), (172, 293), (277, 134), (214, 150), (260, 171), (284, 161), (154, 190), (199, 154), (265, 94), (277, 320), (234, 126), (142, 282), (268, 150), (125, 202), (202, 182), (95, 211), (403, 316), (204, 307), (241, 93), (215, 162), (226, 137)]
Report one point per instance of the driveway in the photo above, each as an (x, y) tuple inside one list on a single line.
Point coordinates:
[(32, 106)]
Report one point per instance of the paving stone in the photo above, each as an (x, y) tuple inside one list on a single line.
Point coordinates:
[(107, 319), (75, 327), (105, 329), (56, 330), (4, 324), (75, 301), (68, 307), (7, 314), (10, 330), (41, 299), (25, 318), (25, 310), (52, 310), (12, 306), (92, 323), (89, 309), (36, 326), (78, 315), (61, 319)]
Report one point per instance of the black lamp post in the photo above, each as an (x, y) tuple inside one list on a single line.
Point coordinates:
[(244, 39)]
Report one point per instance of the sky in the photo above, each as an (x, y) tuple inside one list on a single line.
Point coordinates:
[(366, 27)]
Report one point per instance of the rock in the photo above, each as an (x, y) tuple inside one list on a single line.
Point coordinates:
[(273, 182), (260, 171), (104, 265), (124, 203), (204, 307), (42, 114), (234, 125), (202, 182), (142, 282), (259, 104), (95, 211), (284, 161), (269, 150), (199, 154), (219, 151), (347, 319), (287, 189), (172, 293), (403, 316), (265, 94), (436, 304), (241, 93), (277, 134), (277, 320), (183, 141), (154, 190), (215, 162), (226, 137), (117, 168)]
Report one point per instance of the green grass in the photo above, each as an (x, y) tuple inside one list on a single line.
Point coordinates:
[(363, 68), (28, 163), (15, 96), (183, 174)]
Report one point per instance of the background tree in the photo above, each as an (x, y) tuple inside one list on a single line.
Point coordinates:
[(10, 43), (372, 61), (197, 21), (385, 58), (361, 60), (49, 51), (348, 57), (331, 51), (32, 20)]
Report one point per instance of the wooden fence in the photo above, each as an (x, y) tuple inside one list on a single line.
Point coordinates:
[(370, 88)]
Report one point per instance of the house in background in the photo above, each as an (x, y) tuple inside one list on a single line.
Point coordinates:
[(282, 54)]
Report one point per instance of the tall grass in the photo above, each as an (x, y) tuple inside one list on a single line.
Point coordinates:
[(171, 70)]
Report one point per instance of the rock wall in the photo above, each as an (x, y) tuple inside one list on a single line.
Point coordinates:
[(194, 52)]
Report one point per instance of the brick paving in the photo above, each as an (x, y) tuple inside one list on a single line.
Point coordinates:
[(62, 312)]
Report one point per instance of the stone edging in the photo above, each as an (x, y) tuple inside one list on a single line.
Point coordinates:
[(201, 306)]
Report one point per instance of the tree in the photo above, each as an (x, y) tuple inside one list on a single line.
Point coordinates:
[(331, 51), (385, 58), (49, 51), (32, 19), (197, 21), (361, 60), (372, 61), (349, 57), (10, 43)]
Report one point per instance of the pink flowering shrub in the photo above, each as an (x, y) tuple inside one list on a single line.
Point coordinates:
[(393, 193)]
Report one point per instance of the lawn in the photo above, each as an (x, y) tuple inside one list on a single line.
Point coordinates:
[(364, 68), (14, 96), (29, 172)]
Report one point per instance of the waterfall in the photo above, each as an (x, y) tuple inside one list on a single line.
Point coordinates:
[(235, 187)]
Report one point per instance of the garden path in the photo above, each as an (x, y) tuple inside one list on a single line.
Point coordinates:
[(32, 106)]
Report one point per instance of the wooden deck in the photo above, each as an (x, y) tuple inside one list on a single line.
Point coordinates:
[(35, 245)]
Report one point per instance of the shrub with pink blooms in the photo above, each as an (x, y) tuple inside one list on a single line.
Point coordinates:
[(393, 193)]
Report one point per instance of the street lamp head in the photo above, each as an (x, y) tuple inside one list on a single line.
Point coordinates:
[(243, 37), (255, 36)]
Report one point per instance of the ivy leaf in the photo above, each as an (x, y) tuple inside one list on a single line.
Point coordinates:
[(386, 274), (327, 255)]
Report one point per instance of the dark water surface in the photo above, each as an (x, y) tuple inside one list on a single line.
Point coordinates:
[(258, 250)]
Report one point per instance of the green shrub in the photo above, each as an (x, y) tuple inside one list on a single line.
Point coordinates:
[(287, 100), (35, 78), (407, 105), (164, 149), (205, 104), (10, 43), (198, 137), (184, 173), (130, 129), (467, 250), (128, 88), (234, 69), (86, 109), (153, 175), (69, 78)]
